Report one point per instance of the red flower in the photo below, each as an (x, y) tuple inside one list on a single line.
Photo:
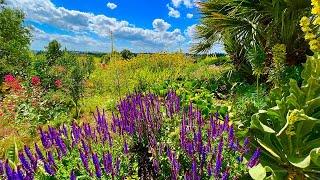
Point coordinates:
[(58, 83), (35, 81), (9, 78), (12, 82)]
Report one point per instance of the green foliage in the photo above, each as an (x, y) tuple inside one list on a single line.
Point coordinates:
[(76, 86), (289, 132), (276, 76), (126, 54), (53, 52), (257, 58), (245, 103), (89, 65), (14, 42)]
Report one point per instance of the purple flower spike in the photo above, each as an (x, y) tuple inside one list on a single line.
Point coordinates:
[(125, 148), (48, 169), (96, 163), (73, 175), (84, 160), (32, 159), (225, 175), (39, 153), (20, 173), (107, 162), (9, 171), (25, 164), (50, 158), (255, 158)]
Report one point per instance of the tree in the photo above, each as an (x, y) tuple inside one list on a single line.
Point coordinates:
[(253, 23), (14, 41), (53, 52), (126, 54)]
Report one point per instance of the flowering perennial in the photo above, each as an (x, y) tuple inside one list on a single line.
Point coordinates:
[(205, 149)]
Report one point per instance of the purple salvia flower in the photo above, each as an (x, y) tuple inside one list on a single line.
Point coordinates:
[(73, 175), (96, 163), (194, 169), (246, 145), (84, 160), (48, 169), (20, 173), (125, 147), (155, 164), (254, 160), (61, 145), (50, 158), (231, 138), (85, 147), (9, 171), (32, 159), (218, 166), (25, 164), (225, 175), (39, 153), (44, 139)]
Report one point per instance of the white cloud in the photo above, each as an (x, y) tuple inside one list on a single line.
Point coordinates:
[(186, 3), (111, 5), (191, 31), (160, 25), (189, 15), (173, 12), (76, 42), (83, 24)]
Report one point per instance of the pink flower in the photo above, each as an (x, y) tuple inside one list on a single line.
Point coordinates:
[(35, 81), (12, 82), (9, 78), (58, 83)]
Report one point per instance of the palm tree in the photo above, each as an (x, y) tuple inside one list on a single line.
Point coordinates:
[(253, 23)]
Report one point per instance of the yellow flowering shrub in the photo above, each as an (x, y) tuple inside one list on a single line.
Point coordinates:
[(310, 26)]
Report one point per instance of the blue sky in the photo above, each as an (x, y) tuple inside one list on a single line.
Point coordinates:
[(138, 25)]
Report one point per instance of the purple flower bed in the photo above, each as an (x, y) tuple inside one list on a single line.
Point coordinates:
[(138, 134)]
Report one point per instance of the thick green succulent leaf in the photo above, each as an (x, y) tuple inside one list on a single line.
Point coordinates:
[(300, 162), (312, 105), (256, 124), (315, 156), (297, 96), (304, 162), (269, 148), (258, 172)]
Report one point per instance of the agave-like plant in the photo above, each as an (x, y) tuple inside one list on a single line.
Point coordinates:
[(289, 133)]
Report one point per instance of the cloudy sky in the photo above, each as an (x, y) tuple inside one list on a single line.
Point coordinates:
[(138, 25)]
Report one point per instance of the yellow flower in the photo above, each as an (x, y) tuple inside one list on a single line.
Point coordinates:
[(315, 2), (315, 10), (314, 48), (306, 29), (304, 21), (309, 36), (313, 42)]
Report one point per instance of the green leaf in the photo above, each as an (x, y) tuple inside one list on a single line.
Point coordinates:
[(255, 123), (300, 162), (315, 156), (258, 172), (269, 149)]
